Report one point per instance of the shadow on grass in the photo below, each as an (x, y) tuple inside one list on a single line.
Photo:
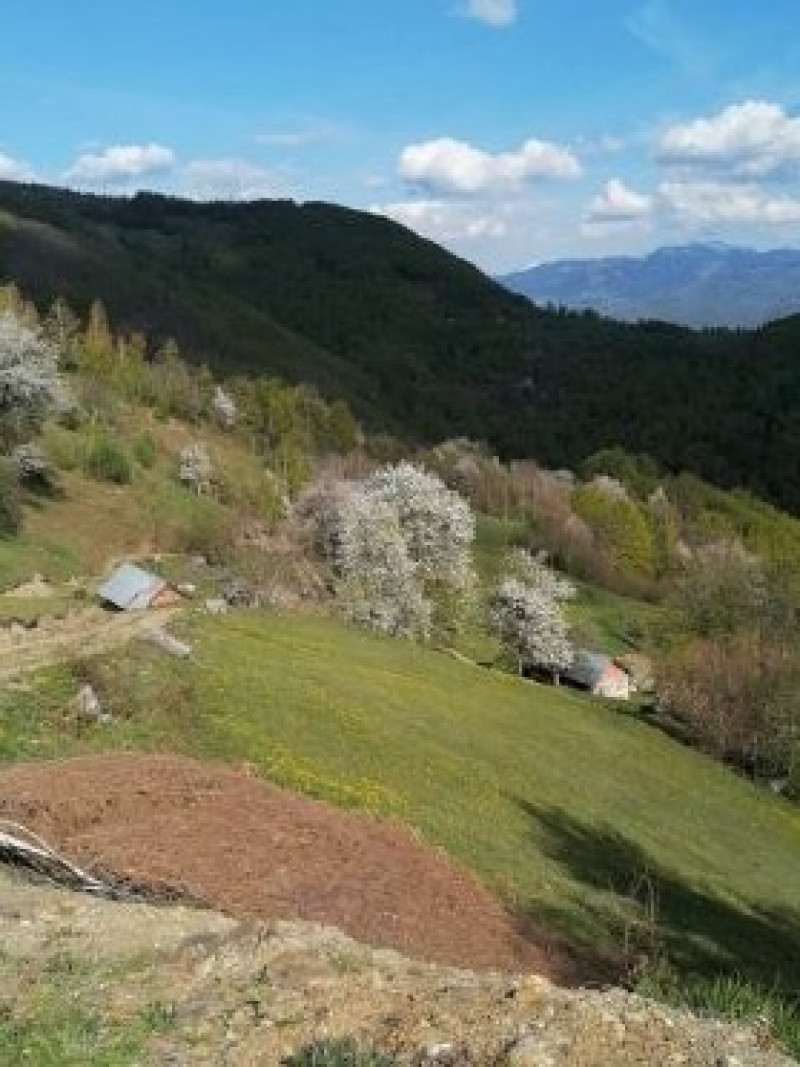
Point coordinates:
[(643, 909)]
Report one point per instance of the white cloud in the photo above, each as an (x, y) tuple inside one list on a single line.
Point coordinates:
[(229, 179), (718, 203), (14, 170), (443, 220), (450, 167), (119, 164), (754, 139), (497, 13), (618, 203)]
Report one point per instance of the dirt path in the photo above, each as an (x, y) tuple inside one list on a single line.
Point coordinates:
[(84, 632), (253, 850)]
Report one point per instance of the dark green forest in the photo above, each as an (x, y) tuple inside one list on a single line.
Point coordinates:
[(422, 344)]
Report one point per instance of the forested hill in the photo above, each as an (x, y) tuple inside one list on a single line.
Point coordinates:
[(419, 341)]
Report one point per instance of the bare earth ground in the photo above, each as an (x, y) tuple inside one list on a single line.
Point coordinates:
[(254, 851), (236, 994)]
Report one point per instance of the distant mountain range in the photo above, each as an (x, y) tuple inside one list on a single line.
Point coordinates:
[(693, 285)]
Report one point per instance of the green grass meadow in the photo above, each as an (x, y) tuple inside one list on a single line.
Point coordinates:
[(586, 820)]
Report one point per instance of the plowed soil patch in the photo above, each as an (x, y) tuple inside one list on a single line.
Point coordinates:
[(252, 850)]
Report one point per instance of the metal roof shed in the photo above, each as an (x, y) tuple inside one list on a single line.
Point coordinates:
[(131, 589)]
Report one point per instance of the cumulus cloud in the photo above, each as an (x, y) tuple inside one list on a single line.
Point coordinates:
[(444, 220), (14, 170), (456, 168), (618, 203), (229, 179), (710, 203), (496, 13), (688, 204), (120, 164), (754, 139)]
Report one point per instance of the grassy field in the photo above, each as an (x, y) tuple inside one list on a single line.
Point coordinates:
[(586, 820)]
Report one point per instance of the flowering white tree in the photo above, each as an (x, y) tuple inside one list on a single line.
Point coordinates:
[(377, 581), (526, 614), (394, 542), (437, 524), (29, 379), (535, 573)]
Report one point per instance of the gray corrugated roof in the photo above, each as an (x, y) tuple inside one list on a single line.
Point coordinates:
[(130, 587), (587, 668)]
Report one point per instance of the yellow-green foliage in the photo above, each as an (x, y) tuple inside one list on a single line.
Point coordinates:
[(622, 526)]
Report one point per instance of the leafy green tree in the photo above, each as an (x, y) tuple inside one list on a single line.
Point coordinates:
[(621, 526)]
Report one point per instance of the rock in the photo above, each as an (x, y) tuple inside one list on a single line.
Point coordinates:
[(238, 594), (89, 707), (216, 606), (530, 1052), (167, 643), (187, 589)]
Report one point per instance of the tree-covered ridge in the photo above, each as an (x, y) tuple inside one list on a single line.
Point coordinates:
[(419, 342)]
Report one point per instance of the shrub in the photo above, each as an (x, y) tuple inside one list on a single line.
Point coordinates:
[(33, 467), (737, 694), (144, 450), (621, 525), (106, 461), (338, 1053), (206, 530), (10, 500)]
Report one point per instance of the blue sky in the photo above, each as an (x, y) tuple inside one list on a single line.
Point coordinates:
[(512, 131)]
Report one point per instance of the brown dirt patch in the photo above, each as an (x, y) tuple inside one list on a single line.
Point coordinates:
[(252, 850)]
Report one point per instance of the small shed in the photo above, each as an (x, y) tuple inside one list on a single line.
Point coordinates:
[(598, 674), (131, 588)]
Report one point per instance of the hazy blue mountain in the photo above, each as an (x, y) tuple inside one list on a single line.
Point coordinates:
[(695, 285)]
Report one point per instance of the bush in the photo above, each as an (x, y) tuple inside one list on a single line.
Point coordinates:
[(737, 694), (341, 1053), (621, 525), (204, 530), (144, 450), (10, 500), (107, 461)]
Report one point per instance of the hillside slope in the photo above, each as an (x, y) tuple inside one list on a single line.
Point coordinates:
[(420, 342), (220, 992), (694, 285), (560, 803)]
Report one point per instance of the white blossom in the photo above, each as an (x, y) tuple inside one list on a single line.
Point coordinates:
[(535, 574), (393, 542), (530, 622), (437, 523), (223, 408), (377, 580), (196, 469), (28, 368)]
